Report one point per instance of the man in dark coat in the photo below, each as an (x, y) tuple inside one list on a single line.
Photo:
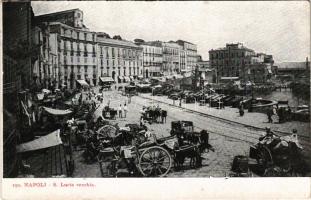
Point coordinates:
[(269, 114)]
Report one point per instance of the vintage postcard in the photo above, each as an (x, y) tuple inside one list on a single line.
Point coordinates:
[(156, 100)]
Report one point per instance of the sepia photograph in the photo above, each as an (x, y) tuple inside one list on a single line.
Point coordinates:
[(95, 89)]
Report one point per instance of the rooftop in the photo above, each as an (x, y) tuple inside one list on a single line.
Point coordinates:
[(117, 42), (153, 43), (60, 12), (234, 46), (183, 41)]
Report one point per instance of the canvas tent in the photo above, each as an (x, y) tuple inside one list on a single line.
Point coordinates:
[(43, 142), (57, 111)]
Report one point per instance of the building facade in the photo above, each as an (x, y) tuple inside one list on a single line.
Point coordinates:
[(122, 60), (191, 55), (152, 59), (231, 61), (73, 55), (171, 58), (18, 55)]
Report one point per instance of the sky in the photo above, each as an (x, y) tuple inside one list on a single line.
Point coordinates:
[(280, 28)]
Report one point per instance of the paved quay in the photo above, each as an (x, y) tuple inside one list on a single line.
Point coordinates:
[(228, 140), (250, 118)]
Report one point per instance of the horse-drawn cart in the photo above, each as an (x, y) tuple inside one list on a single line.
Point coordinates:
[(109, 113), (148, 155), (277, 156)]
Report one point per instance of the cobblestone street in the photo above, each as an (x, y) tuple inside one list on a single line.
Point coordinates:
[(228, 140)]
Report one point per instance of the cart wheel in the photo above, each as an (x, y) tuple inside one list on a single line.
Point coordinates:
[(155, 161), (264, 159)]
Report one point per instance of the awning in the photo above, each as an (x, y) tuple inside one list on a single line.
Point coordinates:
[(131, 77), (229, 78), (121, 77), (57, 111), (83, 83), (140, 76), (43, 142), (127, 79), (106, 79)]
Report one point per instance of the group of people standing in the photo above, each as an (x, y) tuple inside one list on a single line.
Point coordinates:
[(279, 115), (122, 110)]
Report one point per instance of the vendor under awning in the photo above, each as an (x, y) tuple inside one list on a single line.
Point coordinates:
[(106, 79), (83, 83)]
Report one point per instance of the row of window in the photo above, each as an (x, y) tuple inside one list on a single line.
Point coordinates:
[(152, 51), (221, 55), (171, 51), (78, 35), (117, 52), (119, 63), (231, 62), (69, 45), (78, 59), (78, 67)]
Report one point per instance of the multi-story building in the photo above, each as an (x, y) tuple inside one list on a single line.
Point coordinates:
[(171, 57), (174, 58), (152, 59), (18, 56), (238, 62), (231, 60), (45, 68), (119, 59), (74, 55), (191, 55), (71, 49)]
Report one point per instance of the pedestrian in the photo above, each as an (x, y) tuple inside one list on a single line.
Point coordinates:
[(180, 102), (120, 111), (241, 109), (275, 114), (108, 104), (269, 114), (125, 110), (127, 99), (289, 114), (163, 116), (142, 122)]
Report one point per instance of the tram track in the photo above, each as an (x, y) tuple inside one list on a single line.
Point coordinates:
[(244, 132), (236, 134)]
